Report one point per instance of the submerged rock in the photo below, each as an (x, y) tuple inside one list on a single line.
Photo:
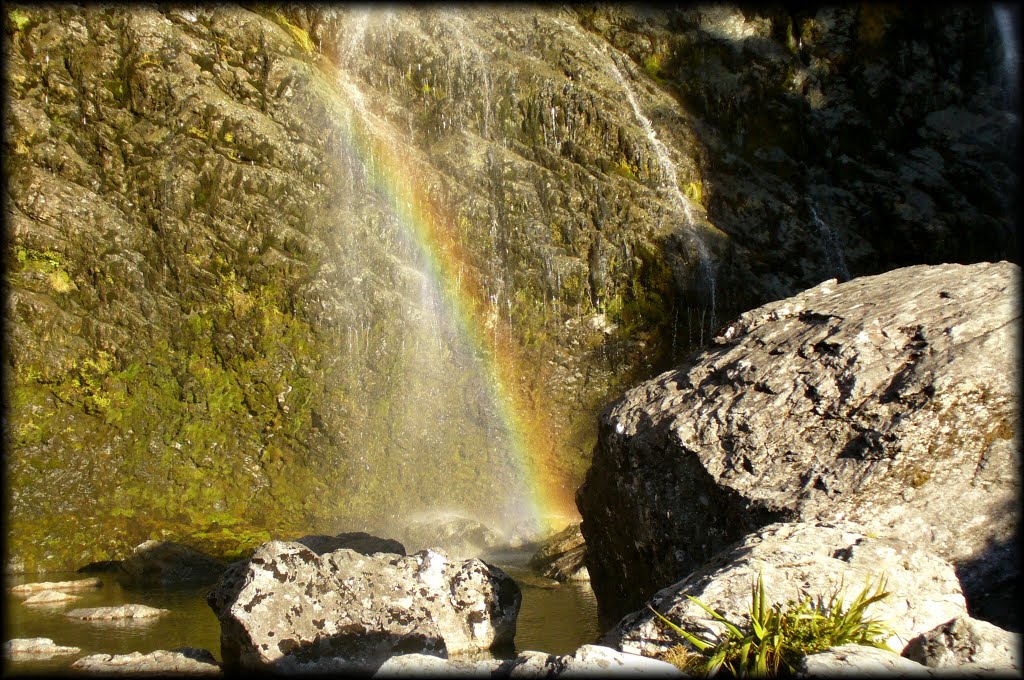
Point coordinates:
[(797, 561), (965, 640), (287, 609), (563, 557), (124, 611), (80, 584), (167, 563), (50, 597), (889, 400), (181, 661), (360, 541), (35, 648)]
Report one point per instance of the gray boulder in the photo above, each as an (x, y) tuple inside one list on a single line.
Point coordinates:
[(287, 609), (889, 400), (563, 557), (797, 560), (360, 541), (181, 661), (167, 563), (965, 640)]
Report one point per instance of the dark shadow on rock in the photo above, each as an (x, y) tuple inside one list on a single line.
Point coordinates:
[(991, 584), (100, 567), (352, 654), (359, 541)]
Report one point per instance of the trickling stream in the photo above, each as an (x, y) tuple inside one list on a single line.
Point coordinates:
[(668, 176), (832, 247)]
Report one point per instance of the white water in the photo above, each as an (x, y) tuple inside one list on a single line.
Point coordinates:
[(669, 179), (833, 248), (1006, 17)]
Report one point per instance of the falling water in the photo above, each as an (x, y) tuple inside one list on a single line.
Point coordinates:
[(832, 247), (1006, 17), (669, 180)]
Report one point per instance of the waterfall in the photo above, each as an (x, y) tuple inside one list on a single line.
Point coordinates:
[(706, 265), (832, 247), (1006, 17)]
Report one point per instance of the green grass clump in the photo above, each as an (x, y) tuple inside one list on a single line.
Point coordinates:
[(776, 639)]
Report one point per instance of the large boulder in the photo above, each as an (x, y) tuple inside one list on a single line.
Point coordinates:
[(563, 557), (796, 561), (167, 563), (287, 609), (890, 400), (360, 541)]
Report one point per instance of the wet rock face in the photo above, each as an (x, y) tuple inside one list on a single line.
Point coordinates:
[(286, 609), (563, 557), (188, 184), (888, 400), (842, 130)]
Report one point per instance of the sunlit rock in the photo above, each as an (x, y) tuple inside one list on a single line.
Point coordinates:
[(22, 649), (890, 401), (859, 661), (50, 597), (797, 561), (181, 661), (288, 609), (80, 584), (124, 611)]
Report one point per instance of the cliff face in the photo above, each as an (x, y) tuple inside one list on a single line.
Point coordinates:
[(221, 324)]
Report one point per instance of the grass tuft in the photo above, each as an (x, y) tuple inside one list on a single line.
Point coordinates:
[(776, 639)]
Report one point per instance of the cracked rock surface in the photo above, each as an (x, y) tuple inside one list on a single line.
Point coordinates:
[(287, 609), (888, 400)]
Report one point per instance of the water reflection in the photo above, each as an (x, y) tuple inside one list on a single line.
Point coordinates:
[(554, 618)]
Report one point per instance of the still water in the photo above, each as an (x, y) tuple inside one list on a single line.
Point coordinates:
[(552, 619)]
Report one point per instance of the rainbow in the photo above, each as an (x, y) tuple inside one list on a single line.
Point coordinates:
[(446, 264)]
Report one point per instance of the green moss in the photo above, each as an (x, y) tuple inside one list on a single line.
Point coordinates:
[(18, 20)]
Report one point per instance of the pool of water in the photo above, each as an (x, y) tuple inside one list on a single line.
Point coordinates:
[(552, 619)]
